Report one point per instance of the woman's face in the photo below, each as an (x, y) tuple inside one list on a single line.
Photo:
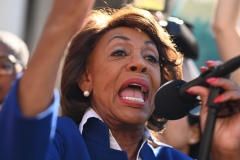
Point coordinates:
[(123, 75)]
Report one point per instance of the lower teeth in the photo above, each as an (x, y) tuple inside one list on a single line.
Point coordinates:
[(134, 99)]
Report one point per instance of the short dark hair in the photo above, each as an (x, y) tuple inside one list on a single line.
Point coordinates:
[(99, 22)]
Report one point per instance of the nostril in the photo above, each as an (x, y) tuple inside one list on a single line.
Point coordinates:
[(133, 68), (144, 70)]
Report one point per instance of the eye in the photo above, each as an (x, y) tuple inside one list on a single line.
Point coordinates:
[(151, 59), (119, 53), (6, 65)]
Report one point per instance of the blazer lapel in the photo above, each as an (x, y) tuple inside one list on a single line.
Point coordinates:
[(96, 136), (146, 152)]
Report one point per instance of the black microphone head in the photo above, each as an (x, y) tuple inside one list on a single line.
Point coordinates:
[(169, 104)]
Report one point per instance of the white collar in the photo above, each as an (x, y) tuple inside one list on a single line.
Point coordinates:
[(88, 114), (91, 113), (113, 143)]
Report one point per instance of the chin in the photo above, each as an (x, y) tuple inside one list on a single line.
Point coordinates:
[(136, 119)]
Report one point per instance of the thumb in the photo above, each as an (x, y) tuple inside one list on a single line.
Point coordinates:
[(203, 92)]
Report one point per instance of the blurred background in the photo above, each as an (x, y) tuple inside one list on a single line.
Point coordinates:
[(26, 19)]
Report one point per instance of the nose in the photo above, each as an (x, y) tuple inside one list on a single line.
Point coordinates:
[(138, 65)]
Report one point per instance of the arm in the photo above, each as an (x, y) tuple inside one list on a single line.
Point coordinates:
[(37, 83), (225, 28), (24, 127)]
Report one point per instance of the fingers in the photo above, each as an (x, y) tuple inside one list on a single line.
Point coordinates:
[(227, 96), (213, 63), (231, 88), (203, 69), (224, 83), (210, 64), (203, 92), (230, 99)]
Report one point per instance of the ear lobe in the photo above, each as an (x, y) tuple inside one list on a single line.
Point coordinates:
[(85, 83), (194, 135)]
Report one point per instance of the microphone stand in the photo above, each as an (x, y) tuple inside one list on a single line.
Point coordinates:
[(210, 123)]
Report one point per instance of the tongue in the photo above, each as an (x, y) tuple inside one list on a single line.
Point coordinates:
[(131, 92)]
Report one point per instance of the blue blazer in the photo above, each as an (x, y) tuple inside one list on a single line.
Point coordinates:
[(30, 138), (69, 144)]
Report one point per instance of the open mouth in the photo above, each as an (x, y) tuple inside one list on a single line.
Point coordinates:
[(134, 92)]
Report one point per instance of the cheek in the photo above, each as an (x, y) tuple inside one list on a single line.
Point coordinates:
[(7, 81), (156, 79), (103, 78), (175, 134), (178, 128)]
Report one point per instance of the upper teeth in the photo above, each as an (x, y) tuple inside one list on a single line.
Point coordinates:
[(142, 88)]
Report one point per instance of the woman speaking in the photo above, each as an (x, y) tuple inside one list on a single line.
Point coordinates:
[(116, 61)]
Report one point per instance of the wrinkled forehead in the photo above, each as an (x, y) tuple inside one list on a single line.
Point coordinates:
[(126, 34)]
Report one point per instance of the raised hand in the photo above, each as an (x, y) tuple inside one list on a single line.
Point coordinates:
[(36, 86), (69, 14)]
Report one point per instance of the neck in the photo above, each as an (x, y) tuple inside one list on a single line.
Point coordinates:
[(129, 140)]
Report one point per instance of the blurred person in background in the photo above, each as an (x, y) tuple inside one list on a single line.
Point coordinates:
[(14, 56), (186, 43), (224, 25), (183, 134)]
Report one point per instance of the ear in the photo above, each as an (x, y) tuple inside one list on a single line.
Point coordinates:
[(194, 136), (85, 82)]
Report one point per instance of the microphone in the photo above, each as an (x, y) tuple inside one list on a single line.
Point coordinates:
[(173, 102)]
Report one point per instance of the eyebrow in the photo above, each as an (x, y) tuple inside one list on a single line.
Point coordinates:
[(120, 37), (149, 42), (127, 39)]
